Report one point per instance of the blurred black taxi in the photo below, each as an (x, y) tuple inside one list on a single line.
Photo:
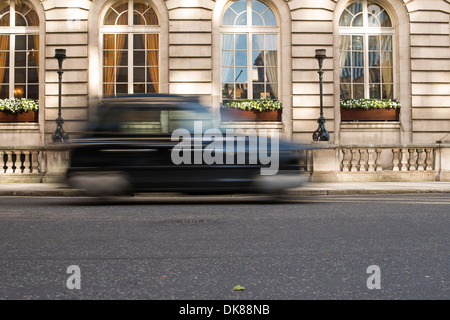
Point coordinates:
[(167, 143)]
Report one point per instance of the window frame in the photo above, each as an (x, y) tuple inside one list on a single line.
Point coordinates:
[(12, 31), (251, 30), (130, 30), (366, 31)]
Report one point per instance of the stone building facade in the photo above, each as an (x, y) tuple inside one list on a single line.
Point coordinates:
[(375, 49)]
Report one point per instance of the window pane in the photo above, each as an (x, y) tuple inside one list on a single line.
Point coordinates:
[(138, 41), (139, 58), (227, 91), (374, 75), (4, 91), (4, 75), (121, 89), (346, 91), (257, 20), (122, 58), (271, 42), (386, 59), (138, 74), (258, 91), (108, 89), (242, 19), (241, 74), (108, 58), (152, 88), (4, 59), (345, 19), (227, 42), (269, 18), (20, 75), (241, 41), (346, 74), (388, 91), (241, 91), (387, 75), (21, 42), (358, 59), (272, 91), (33, 92), (355, 7), (357, 43), (258, 74), (374, 59), (33, 58), (346, 59), (20, 59), (152, 74), (271, 58), (385, 20), (122, 41), (139, 88), (358, 21), (374, 91), (109, 41), (227, 58), (108, 75), (258, 58), (20, 21), (228, 18), (386, 43), (241, 58), (358, 91), (272, 74), (358, 75), (122, 74), (373, 21), (227, 74), (374, 42), (20, 91), (33, 75), (239, 6), (258, 42), (345, 43)]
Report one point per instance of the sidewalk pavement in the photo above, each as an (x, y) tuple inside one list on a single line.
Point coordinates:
[(309, 189)]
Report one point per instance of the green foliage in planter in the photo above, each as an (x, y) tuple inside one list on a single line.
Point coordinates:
[(18, 105), (259, 105), (367, 104)]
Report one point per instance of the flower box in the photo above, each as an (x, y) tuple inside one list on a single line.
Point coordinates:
[(370, 110), (30, 116), (370, 114), (18, 110), (233, 114), (251, 110)]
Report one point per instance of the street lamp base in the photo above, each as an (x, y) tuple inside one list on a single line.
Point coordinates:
[(321, 134)]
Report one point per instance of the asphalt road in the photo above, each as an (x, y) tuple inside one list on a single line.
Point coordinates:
[(201, 248)]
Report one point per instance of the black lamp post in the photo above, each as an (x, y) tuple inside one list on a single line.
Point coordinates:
[(59, 135), (321, 134)]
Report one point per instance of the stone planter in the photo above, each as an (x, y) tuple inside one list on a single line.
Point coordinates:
[(370, 115), (30, 116), (233, 114)]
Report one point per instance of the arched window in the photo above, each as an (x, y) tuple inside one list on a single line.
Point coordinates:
[(366, 52), (249, 51), (19, 50), (130, 36)]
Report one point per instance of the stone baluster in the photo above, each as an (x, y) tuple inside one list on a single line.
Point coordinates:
[(420, 160), (34, 162), (345, 160), (362, 160), (412, 161), (395, 159), (378, 160), (371, 159), (354, 161), (9, 162), (26, 162), (404, 160), (429, 159)]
